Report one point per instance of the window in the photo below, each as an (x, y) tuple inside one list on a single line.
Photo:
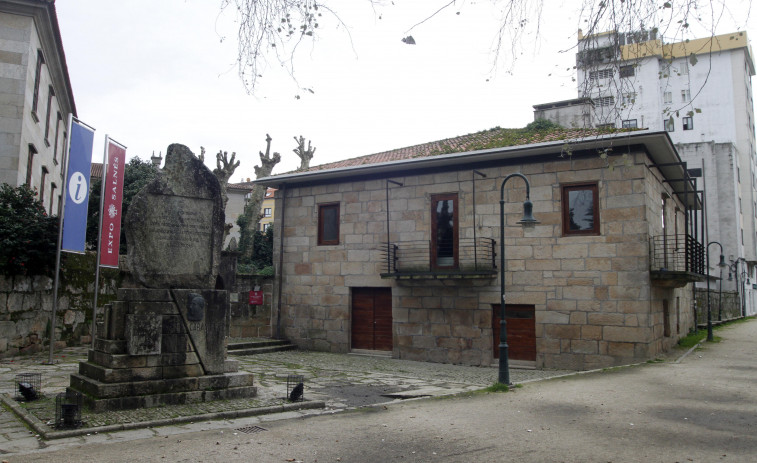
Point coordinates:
[(626, 71), (444, 231), (629, 99), (683, 69), (42, 183), (685, 96), (64, 151), (53, 186), (55, 143), (604, 101), (580, 209), (267, 212), (328, 224), (669, 124), (688, 123), (601, 74), (50, 95), (265, 226), (606, 126), (667, 97), (37, 78), (29, 164), (630, 124)]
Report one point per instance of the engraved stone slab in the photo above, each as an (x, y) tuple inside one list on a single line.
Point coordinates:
[(174, 225), (206, 317), (143, 334)]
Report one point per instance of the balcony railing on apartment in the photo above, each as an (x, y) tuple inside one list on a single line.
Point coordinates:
[(413, 260), (676, 260)]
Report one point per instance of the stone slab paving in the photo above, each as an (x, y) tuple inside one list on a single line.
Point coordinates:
[(336, 381)]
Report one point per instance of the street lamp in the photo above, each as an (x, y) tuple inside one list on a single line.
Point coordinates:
[(721, 264), (527, 221)]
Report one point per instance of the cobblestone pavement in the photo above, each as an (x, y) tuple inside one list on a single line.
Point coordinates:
[(341, 381)]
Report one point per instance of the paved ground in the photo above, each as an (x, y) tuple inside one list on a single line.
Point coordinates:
[(338, 381), (701, 409)]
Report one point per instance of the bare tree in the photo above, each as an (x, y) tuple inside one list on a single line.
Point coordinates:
[(304, 154), (250, 218), (273, 29), (225, 168)]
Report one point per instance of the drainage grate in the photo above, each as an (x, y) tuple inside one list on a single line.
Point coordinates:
[(251, 429)]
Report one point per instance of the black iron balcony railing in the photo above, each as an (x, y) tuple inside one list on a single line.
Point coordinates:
[(420, 259), (680, 255)]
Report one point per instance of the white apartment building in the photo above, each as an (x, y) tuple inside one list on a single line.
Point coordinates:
[(35, 99), (700, 92)]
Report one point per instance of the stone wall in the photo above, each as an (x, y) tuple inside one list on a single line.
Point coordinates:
[(26, 304), (251, 321), (730, 309), (595, 304)]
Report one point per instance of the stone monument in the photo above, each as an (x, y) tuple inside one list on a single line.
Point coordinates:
[(163, 341)]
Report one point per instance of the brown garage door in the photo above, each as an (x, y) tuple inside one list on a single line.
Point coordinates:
[(521, 331), (372, 318)]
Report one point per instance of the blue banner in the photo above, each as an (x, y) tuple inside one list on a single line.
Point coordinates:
[(76, 198)]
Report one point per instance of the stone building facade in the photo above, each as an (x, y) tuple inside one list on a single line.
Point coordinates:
[(35, 99), (580, 295)]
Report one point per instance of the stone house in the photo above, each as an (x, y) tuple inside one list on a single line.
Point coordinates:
[(399, 252)]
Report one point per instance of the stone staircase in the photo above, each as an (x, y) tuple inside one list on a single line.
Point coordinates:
[(258, 346)]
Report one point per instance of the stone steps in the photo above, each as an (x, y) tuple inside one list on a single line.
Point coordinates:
[(259, 347)]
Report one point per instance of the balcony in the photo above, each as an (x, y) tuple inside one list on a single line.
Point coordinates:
[(676, 260), (412, 260)]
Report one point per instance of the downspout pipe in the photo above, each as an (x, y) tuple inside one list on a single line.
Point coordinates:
[(280, 270)]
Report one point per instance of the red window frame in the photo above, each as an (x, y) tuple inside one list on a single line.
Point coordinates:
[(323, 213), (566, 189)]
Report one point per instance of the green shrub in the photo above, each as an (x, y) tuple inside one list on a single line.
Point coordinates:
[(28, 236)]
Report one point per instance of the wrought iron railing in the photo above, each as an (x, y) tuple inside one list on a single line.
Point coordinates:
[(415, 257), (677, 253)]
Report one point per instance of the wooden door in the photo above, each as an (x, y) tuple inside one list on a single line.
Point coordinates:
[(521, 331), (372, 318)]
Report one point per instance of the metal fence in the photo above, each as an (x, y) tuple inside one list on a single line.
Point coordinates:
[(416, 257), (677, 253)]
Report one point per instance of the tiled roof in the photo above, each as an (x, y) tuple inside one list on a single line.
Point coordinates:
[(241, 186), (486, 139), (96, 170)]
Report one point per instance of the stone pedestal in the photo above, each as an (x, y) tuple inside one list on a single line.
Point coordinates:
[(161, 347)]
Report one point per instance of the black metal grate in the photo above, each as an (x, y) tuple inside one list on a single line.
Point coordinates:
[(251, 429), (68, 409), (28, 386), (677, 253), (416, 256), (295, 388)]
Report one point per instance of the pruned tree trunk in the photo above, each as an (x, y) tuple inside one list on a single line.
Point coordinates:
[(305, 154), (251, 214), (225, 168)]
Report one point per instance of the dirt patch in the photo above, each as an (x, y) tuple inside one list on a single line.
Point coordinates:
[(359, 395)]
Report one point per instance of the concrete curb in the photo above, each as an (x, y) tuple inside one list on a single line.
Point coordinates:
[(41, 428)]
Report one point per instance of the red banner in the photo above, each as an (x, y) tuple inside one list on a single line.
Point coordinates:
[(113, 180)]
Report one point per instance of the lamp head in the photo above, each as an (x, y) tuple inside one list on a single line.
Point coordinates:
[(528, 220), (722, 264)]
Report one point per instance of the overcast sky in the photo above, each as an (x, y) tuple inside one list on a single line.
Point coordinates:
[(150, 73)]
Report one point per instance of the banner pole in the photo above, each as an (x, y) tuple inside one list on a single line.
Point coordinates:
[(99, 240), (64, 193)]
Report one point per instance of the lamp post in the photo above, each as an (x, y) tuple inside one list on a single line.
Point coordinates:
[(721, 264), (528, 220)]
